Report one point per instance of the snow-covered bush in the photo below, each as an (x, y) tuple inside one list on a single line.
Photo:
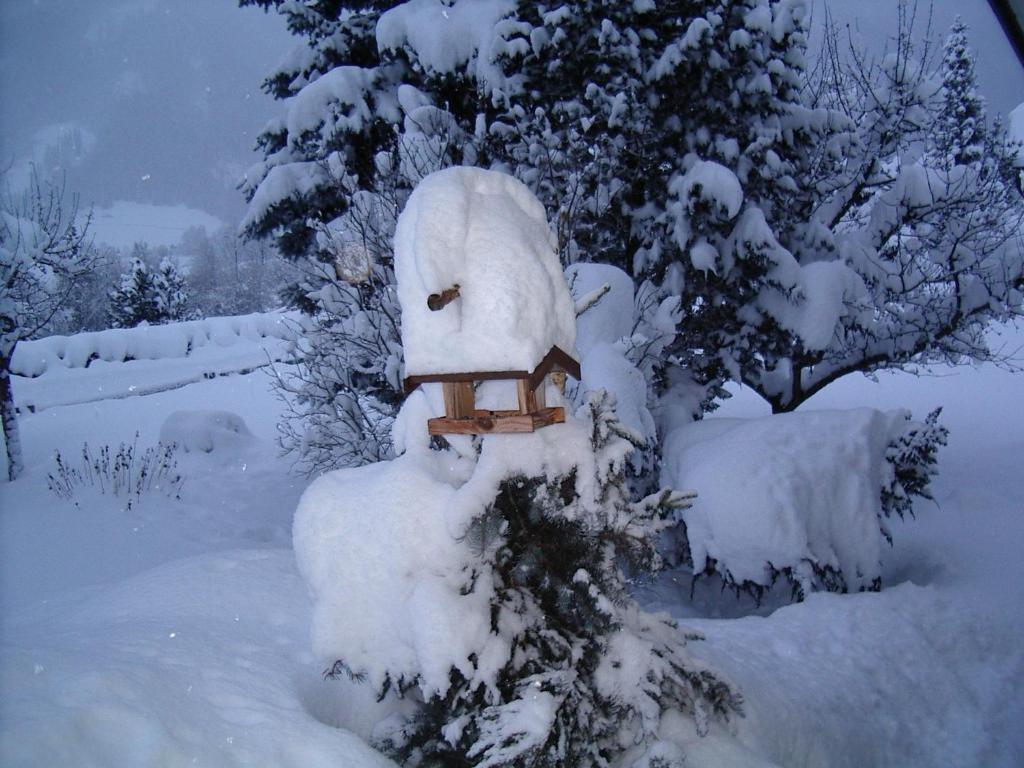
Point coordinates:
[(801, 497), (127, 473), (490, 589), (621, 335), (341, 396)]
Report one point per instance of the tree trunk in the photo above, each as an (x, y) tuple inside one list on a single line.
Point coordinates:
[(9, 419)]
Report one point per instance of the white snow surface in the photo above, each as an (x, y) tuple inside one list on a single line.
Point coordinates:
[(784, 489), (487, 233), (179, 630), (371, 543), (147, 342)]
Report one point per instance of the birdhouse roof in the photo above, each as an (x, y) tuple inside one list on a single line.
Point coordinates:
[(555, 360), (479, 243)]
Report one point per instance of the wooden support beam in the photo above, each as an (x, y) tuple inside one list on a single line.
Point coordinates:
[(497, 422), (531, 399), (459, 399), (438, 301)]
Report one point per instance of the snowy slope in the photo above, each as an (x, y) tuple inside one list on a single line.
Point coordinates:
[(179, 630)]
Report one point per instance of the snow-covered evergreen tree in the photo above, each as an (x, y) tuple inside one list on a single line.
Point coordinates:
[(960, 132), (135, 300), (171, 291), (790, 213), (532, 652)]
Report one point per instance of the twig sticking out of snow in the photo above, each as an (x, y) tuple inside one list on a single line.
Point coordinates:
[(438, 301), (591, 299)]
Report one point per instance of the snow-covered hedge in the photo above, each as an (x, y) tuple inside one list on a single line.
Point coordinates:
[(157, 342), (803, 496)]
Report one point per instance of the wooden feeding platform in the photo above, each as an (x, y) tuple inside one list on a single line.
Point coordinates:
[(462, 417)]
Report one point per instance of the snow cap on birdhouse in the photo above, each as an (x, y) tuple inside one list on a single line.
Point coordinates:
[(482, 293)]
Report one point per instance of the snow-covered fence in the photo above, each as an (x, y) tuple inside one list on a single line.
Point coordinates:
[(148, 342), (125, 362)]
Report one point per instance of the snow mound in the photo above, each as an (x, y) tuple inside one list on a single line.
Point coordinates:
[(487, 233), (385, 575), (787, 490), (205, 431)]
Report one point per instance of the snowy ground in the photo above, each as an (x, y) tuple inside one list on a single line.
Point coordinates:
[(177, 633)]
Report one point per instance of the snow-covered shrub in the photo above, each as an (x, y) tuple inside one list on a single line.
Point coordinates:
[(127, 473), (621, 335), (801, 497), (205, 431), (341, 397), (911, 457), (490, 589)]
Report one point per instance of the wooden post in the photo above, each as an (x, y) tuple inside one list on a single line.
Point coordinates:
[(530, 400), (459, 399)]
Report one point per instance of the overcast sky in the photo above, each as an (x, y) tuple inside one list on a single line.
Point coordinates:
[(159, 100)]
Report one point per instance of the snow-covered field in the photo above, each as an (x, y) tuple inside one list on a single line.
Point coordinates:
[(177, 632)]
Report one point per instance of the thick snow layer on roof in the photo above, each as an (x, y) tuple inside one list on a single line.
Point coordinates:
[(487, 233)]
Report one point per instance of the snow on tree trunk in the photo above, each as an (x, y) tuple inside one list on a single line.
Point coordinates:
[(9, 418)]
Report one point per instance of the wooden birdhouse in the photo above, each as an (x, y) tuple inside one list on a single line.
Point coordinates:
[(483, 299), (462, 417)]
